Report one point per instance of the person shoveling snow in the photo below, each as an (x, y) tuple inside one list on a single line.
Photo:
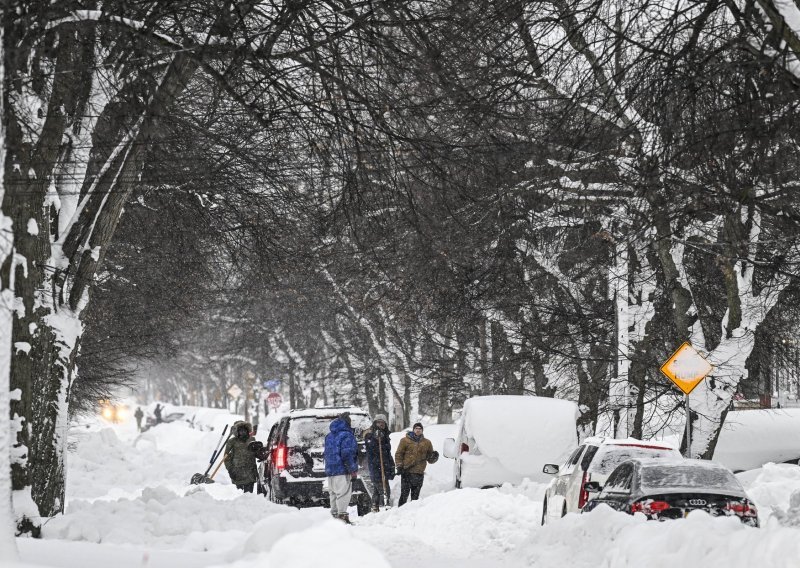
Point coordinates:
[(240, 457)]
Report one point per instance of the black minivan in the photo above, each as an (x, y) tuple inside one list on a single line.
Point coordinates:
[(293, 472)]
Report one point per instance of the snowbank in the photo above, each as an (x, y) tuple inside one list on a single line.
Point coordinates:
[(606, 537), (130, 506), (751, 438)]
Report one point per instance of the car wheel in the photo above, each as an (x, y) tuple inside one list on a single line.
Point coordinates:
[(544, 513)]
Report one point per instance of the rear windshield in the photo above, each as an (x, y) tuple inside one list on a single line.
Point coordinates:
[(609, 457), (688, 476), (311, 431)]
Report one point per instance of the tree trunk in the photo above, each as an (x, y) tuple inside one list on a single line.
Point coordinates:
[(53, 282), (8, 546), (486, 380)]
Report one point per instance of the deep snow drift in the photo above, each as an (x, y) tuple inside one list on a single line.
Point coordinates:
[(130, 505)]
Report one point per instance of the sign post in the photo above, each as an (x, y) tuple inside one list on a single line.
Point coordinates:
[(686, 368)]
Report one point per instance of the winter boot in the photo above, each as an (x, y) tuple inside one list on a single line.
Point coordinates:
[(345, 517), (375, 509)]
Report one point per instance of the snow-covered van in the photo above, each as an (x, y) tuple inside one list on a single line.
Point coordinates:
[(751, 438), (507, 438)]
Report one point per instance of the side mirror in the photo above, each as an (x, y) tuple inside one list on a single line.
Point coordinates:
[(592, 487), (550, 469), (449, 448)]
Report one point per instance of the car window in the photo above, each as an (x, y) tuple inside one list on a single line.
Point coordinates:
[(620, 480), (610, 456), (309, 431), (576, 456), (586, 460), (689, 476), (570, 462)]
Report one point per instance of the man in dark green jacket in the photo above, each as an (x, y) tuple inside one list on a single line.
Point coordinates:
[(240, 461)]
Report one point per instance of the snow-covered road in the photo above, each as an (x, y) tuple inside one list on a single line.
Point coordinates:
[(130, 505)]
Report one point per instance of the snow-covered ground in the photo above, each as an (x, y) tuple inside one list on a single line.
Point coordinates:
[(130, 505)]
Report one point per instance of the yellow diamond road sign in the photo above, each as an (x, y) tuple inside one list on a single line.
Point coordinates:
[(686, 368)]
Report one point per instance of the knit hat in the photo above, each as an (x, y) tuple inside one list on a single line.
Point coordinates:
[(379, 417), (417, 425)]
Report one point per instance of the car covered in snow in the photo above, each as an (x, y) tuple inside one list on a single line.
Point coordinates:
[(663, 489), (508, 438), (751, 438), (293, 471), (593, 460)]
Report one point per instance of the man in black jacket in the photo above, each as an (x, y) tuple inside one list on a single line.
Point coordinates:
[(379, 459)]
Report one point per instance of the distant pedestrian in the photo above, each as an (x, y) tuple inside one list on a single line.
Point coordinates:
[(341, 467), (413, 455), (240, 459), (138, 415), (157, 413), (379, 459)]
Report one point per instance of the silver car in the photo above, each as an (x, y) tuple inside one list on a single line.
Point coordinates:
[(593, 460)]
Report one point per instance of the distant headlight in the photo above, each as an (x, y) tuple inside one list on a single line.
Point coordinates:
[(108, 413), (122, 413)]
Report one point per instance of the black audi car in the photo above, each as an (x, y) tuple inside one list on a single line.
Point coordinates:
[(671, 489)]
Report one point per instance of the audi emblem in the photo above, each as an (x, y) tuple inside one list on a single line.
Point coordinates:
[(697, 502)]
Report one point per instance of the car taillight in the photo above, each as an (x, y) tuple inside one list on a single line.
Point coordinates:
[(279, 457), (583, 496), (649, 507), (464, 447), (742, 509)]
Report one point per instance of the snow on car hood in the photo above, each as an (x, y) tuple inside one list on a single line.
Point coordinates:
[(523, 433)]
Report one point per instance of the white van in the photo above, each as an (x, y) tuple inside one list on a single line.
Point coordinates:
[(506, 438)]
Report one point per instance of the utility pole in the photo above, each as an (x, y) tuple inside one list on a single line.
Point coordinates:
[(619, 390)]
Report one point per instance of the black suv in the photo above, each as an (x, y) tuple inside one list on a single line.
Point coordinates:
[(293, 470)]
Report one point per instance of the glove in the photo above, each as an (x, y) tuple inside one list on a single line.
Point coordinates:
[(399, 470), (255, 447), (379, 434), (433, 457)]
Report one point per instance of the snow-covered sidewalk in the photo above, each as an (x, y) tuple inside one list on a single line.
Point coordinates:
[(130, 505)]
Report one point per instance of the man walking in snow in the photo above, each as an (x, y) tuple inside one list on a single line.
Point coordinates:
[(157, 413), (341, 449), (240, 461), (379, 459), (413, 455), (138, 415)]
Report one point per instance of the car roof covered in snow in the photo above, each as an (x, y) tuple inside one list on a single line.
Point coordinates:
[(325, 412), (685, 475), (603, 441)]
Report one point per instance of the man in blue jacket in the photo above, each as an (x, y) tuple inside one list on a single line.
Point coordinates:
[(341, 467)]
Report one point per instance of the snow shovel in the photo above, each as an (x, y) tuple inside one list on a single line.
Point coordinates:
[(199, 478)]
